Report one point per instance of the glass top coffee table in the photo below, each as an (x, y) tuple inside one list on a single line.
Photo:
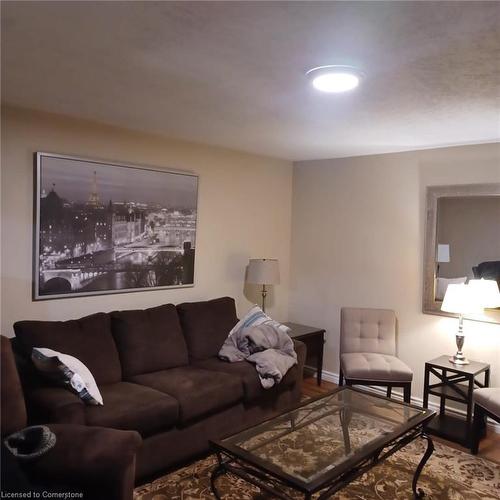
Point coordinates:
[(323, 444)]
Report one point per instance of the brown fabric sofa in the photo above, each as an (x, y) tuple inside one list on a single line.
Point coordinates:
[(98, 463), (158, 372)]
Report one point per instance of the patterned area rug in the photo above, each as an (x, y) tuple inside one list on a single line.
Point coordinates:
[(449, 475)]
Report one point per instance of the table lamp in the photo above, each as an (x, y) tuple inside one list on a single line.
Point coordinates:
[(487, 292), (460, 299), (443, 255), (263, 272)]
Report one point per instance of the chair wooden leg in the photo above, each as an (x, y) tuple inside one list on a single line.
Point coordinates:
[(477, 429), (341, 378), (407, 393), (389, 391)]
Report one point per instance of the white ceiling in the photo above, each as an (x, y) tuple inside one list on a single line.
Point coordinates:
[(232, 73)]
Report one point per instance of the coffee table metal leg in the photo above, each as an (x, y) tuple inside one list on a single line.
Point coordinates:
[(218, 471), (419, 492), (345, 416)]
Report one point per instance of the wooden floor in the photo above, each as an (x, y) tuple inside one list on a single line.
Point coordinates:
[(489, 448)]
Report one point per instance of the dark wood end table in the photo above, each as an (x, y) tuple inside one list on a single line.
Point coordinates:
[(456, 383), (314, 338)]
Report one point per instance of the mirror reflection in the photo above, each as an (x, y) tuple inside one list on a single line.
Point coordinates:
[(467, 241)]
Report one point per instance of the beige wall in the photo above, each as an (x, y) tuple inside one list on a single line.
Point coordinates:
[(357, 232), (244, 211), (358, 239)]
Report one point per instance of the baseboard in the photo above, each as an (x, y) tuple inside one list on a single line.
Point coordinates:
[(334, 377)]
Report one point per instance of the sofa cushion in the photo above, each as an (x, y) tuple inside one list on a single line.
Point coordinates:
[(243, 370), (134, 407), (206, 325), (246, 372), (55, 404), (149, 340), (199, 392), (88, 339), (374, 367)]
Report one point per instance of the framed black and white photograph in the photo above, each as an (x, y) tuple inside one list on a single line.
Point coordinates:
[(106, 228)]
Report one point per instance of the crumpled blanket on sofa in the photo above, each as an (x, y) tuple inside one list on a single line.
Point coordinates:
[(265, 345)]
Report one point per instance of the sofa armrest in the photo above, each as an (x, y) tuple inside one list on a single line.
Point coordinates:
[(55, 404), (98, 460)]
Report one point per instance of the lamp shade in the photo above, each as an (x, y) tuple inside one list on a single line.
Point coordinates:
[(487, 292), (443, 253), (461, 299), (263, 272)]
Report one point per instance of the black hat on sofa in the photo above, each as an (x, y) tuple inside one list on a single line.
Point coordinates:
[(30, 442)]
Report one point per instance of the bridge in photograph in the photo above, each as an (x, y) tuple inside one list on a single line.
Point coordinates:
[(77, 273)]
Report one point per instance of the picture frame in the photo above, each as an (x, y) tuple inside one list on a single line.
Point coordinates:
[(104, 227)]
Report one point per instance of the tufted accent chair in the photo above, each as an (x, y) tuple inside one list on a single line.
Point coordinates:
[(368, 350)]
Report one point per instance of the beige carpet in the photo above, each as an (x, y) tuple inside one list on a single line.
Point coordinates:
[(449, 475)]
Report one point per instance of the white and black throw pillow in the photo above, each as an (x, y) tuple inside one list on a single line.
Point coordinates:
[(67, 371)]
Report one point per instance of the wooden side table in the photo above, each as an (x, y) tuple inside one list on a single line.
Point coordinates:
[(456, 383), (314, 338)]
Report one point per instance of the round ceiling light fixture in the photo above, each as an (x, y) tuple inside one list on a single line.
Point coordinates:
[(334, 78)]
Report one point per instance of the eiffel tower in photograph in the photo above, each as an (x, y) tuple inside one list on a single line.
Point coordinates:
[(94, 195)]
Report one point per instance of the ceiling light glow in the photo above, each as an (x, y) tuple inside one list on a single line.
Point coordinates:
[(334, 79)]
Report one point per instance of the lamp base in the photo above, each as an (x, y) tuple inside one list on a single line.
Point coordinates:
[(264, 294), (459, 360)]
